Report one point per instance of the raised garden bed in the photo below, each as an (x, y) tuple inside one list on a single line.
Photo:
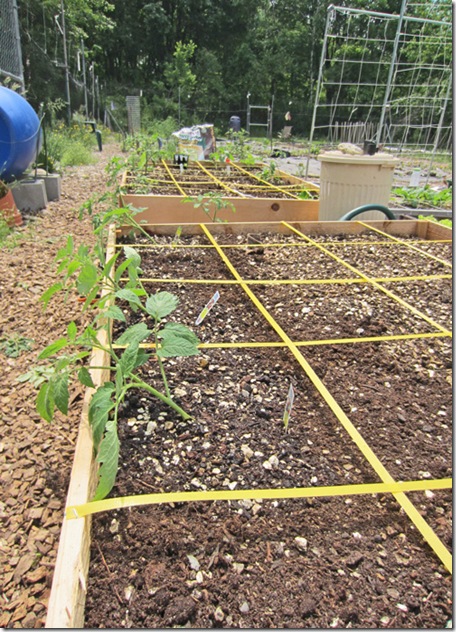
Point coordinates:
[(249, 194), (357, 317)]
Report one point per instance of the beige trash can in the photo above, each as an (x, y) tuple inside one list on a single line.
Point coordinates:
[(348, 181)]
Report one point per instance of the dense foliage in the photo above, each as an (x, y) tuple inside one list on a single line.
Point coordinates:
[(193, 60)]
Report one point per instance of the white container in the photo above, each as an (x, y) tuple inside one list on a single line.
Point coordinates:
[(347, 182)]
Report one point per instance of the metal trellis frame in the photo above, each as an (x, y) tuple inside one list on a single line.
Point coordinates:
[(396, 86)]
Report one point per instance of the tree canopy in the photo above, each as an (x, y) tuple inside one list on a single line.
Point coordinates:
[(191, 59)]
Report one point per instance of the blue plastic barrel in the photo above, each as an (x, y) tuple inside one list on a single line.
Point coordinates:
[(19, 134)]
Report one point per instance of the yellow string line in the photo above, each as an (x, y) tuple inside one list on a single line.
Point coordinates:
[(341, 281), (79, 511), (181, 191), (305, 343), (219, 182), (408, 245), (374, 283), (426, 531), (271, 186)]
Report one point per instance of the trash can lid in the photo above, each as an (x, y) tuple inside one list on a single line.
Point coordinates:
[(358, 159)]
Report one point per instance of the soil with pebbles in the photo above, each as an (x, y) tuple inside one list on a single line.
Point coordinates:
[(319, 562)]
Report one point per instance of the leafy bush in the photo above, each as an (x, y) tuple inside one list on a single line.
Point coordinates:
[(425, 197), (67, 147), (76, 153), (431, 218)]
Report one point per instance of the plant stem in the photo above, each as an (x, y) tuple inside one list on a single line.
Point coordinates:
[(160, 363), (138, 383)]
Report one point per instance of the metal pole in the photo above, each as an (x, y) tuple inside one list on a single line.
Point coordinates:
[(271, 114), (320, 75), (386, 103), (67, 71), (439, 129), (86, 99), (179, 104), (248, 113), (19, 78), (93, 90), (392, 16)]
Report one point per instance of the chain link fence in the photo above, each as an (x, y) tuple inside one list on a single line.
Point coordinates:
[(10, 45)]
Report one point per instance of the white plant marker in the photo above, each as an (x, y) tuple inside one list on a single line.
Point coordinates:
[(205, 311)]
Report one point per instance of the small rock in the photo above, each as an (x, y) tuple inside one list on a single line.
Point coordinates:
[(128, 592), (244, 607), (219, 615), (151, 426), (194, 564), (301, 543), (246, 451)]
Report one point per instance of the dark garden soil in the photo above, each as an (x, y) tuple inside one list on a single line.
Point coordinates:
[(336, 562)]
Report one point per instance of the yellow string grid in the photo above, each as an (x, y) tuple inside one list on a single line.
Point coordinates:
[(388, 484)]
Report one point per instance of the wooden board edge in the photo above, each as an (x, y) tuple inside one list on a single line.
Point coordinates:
[(398, 228), (69, 584)]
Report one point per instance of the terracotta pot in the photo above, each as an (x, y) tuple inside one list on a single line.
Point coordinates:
[(9, 211)]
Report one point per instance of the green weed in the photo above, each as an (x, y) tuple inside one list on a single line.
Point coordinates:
[(15, 344)]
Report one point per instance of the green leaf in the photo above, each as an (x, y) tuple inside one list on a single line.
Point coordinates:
[(45, 402), (128, 359), (87, 278), (91, 296), (85, 378), (119, 381), (72, 331), (114, 312), (177, 329), (49, 293), (121, 269), (142, 160), (73, 266), (141, 358), (60, 392), (133, 255), (100, 406), (108, 456), (108, 267), (53, 348), (130, 296), (134, 334), (176, 346), (161, 304)]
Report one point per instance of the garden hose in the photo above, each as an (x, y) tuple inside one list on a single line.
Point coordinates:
[(367, 207)]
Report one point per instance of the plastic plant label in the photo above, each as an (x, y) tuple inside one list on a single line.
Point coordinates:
[(205, 311), (415, 178), (288, 407)]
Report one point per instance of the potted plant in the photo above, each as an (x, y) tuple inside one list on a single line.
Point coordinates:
[(8, 209)]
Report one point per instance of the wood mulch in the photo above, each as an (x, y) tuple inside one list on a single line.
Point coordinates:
[(36, 457)]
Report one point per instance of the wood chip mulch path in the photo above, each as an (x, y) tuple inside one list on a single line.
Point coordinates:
[(36, 457)]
